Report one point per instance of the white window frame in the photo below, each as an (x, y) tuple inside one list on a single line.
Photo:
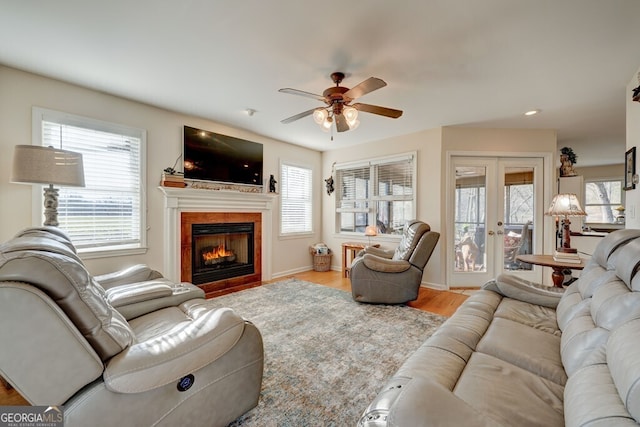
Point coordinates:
[(613, 205), (41, 114), (372, 199), (282, 234)]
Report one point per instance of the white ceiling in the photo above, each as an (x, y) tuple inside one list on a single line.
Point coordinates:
[(476, 63)]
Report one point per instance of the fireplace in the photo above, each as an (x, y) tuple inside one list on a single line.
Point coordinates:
[(221, 252)]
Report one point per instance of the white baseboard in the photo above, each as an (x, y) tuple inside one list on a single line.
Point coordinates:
[(436, 286)]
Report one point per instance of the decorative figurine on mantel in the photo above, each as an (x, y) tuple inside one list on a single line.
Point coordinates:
[(568, 159), (272, 184)]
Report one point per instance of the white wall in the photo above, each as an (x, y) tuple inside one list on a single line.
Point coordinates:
[(427, 145), (633, 140), (20, 91), (432, 147), (602, 172)]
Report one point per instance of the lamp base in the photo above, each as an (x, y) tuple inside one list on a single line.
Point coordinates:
[(51, 206), (567, 250)]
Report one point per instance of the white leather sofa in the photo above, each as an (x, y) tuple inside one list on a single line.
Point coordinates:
[(124, 349), (519, 354)]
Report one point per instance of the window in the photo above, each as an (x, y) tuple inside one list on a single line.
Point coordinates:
[(602, 197), (378, 191), (296, 208), (107, 214)]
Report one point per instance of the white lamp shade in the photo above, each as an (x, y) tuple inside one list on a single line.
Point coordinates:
[(47, 165), (371, 230), (565, 204)]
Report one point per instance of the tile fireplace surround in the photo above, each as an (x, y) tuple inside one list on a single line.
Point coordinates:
[(179, 200)]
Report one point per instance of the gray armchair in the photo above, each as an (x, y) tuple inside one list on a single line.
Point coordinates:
[(130, 348), (393, 277)]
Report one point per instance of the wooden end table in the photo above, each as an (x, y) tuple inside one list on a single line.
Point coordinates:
[(547, 261), (351, 248)]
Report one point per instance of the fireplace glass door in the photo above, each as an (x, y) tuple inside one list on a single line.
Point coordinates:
[(221, 251)]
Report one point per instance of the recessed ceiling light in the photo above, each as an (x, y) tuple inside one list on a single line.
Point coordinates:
[(531, 112)]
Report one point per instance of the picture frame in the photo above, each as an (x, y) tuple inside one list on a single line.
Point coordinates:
[(629, 168)]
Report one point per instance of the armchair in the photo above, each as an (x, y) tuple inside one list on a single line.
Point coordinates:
[(393, 277), (171, 360)]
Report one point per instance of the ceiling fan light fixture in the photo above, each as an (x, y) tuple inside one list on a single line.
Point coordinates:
[(326, 125), (337, 109), (350, 114), (320, 115)]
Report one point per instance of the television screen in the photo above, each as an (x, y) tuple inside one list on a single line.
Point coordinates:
[(210, 156)]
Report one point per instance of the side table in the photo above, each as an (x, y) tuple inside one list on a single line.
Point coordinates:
[(351, 248), (547, 261)]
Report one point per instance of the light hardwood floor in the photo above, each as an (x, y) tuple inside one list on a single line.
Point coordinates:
[(444, 303)]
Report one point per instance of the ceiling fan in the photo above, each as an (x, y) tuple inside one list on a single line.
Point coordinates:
[(339, 109)]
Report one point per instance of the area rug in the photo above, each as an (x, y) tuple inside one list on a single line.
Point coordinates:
[(326, 356)]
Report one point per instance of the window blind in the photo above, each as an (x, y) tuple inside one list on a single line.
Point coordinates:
[(378, 191), (107, 211), (296, 203)]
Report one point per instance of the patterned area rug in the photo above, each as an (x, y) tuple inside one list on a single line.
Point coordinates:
[(326, 356)]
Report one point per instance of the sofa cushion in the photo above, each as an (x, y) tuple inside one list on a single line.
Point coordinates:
[(45, 262), (413, 231), (509, 394), (529, 348)]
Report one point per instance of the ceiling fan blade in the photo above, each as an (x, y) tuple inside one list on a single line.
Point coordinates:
[(341, 123), (381, 111), (369, 85), (298, 116), (302, 93)]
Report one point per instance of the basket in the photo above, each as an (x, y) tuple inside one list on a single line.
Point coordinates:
[(321, 262)]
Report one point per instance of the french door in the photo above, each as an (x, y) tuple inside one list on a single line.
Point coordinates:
[(497, 214)]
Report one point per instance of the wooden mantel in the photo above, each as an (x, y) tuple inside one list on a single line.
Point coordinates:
[(178, 200)]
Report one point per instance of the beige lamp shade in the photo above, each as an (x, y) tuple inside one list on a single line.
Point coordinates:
[(47, 165), (565, 204)]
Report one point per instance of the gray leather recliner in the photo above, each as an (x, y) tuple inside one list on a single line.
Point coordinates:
[(130, 348), (393, 277)]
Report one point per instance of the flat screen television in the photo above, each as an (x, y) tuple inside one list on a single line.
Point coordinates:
[(210, 156)]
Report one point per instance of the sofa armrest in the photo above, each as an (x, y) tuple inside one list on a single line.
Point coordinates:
[(420, 402), (514, 287), (182, 350), (122, 295), (135, 273), (382, 253), (136, 299), (385, 265)]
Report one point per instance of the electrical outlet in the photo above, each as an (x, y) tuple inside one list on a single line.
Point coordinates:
[(632, 211)]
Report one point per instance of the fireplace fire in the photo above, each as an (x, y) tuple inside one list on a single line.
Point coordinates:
[(217, 255)]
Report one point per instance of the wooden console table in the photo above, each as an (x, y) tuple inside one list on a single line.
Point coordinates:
[(547, 261)]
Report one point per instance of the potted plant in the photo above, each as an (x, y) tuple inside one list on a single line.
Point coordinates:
[(567, 159)]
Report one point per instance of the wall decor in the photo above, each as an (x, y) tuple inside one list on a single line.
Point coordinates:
[(629, 168)]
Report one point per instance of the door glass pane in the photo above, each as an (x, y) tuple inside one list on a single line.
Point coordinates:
[(518, 216), (470, 228)]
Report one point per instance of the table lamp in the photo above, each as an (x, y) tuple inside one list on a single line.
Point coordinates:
[(33, 164), (371, 230), (565, 205)]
